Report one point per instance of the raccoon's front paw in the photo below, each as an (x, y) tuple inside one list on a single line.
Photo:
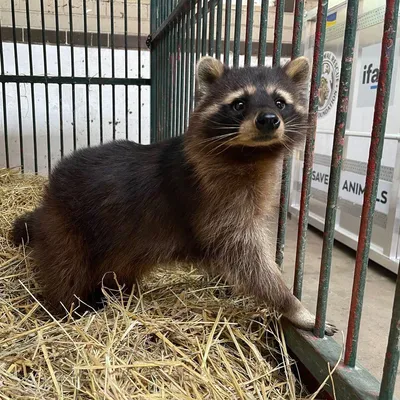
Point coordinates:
[(330, 329)]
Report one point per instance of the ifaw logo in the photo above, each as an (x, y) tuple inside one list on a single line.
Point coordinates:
[(370, 76)]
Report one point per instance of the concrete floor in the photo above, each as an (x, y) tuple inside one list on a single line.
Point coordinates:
[(378, 299)]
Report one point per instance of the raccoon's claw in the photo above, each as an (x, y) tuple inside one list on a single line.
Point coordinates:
[(330, 329)]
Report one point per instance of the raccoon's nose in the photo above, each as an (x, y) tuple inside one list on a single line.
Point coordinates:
[(267, 122)]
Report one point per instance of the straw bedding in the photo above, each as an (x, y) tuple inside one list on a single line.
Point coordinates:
[(181, 337)]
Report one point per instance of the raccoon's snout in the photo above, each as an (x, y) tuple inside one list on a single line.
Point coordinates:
[(267, 122)]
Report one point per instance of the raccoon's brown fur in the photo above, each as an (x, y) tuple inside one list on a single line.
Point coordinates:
[(201, 198)]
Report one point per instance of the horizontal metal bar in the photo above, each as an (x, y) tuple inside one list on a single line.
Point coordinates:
[(315, 354), (79, 80)]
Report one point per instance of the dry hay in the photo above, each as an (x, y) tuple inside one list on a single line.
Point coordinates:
[(182, 337)]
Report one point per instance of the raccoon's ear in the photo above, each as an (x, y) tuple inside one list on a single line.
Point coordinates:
[(298, 70), (209, 70)]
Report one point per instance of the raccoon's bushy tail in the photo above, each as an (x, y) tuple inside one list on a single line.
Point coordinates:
[(22, 231)]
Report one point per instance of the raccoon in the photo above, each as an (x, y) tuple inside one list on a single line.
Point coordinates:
[(202, 198)]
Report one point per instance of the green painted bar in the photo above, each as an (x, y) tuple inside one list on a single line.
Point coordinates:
[(336, 165), (4, 96), (262, 49), (85, 31), (46, 87), (249, 32), (71, 32), (238, 27), (315, 354), (60, 98), (154, 61), (16, 65), (170, 92), (204, 31), (287, 162), (192, 56), (198, 31), (34, 133), (211, 34), (182, 76), (176, 75), (392, 353), (278, 32), (186, 81), (139, 17), (98, 8), (228, 15), (69, 80), (112, 45), (218, 46), (169, 18), (126, 65), (309, 147), (372, 178)]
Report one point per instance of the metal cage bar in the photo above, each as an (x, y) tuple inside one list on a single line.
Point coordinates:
[(372, 178), (320, 30), (336, 165), (287, 162)]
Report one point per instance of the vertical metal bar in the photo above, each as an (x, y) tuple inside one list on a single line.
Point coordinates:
[(28, 30), (249, 32), (112, 44), (287, 162), (154, 65), (309, 147), (4, 96), (204, 34), (211, 38), (262, 49), (126, 64), (392, 353), (187, 69), (164, 78), (85, 33), (238, 28), (372, 178), (219, 30), (336, 164), (170, 91), (99, 68), (192, 43), (60, 98), (21, 138), (71, 35), (176, 74), (139, 15), (46, 86), (227, 38), (278, 31), (198, 32), (181, 75)]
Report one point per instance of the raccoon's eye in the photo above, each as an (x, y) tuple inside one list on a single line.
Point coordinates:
[(280, 104), (238, 105)]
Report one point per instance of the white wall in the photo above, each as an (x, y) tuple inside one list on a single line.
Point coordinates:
[(67, 111)]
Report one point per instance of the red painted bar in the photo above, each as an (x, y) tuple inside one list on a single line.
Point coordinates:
[(372, 178)]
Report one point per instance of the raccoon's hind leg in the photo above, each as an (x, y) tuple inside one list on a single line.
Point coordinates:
[(62, 257)]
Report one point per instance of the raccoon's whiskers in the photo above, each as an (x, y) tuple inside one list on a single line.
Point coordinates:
[(216, 148)]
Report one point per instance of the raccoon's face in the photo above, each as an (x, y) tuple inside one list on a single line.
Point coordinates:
[(252, 106)]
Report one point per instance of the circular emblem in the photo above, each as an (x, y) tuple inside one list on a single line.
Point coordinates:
[(328, 88)]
